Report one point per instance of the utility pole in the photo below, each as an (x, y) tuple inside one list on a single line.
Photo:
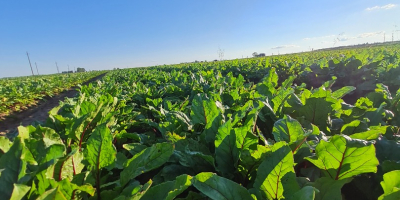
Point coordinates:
[(37, 69), (57, 68), (30, 63)]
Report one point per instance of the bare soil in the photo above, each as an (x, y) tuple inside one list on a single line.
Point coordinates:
[(40, 112)]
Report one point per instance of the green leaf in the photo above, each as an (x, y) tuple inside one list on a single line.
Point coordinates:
[(168, 190), (338, 94), (329, 189), (245, 139), (391, 185), (355, 126), (147, 160), (203, 110), (52, 194), (250, 160), (316, 111), (226, 152), (343, 157), (306, 193), (5, 145), (289, 130), (100, 151), (194, 196), (372, 134), (13, 168), (390, 165), (68, 188), (19, 191), (69, 166), (219, 188), (387, 149), (134, 192), (134, 148), (275, 176)]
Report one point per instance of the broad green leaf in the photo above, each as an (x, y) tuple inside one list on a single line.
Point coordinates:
[(168, 190), (196, 160), (316, 111), (69, 166), (134, 148), (203, 110), (275, 176), (338, 94), (306, 193), (250, 160), (100, 151), (219, 188), (271, 77), (134, 192), (68, 188), (391, 185), (387, 149), (52, 194), (5, 145), (147, 160), (289, 130), (390, 165), (355, 126), (372, 134), (226, 152), (13, 168), (342, 157), (194, 196), (19, 191), (329, 189)]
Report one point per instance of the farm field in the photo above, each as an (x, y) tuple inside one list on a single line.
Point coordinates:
[(316, 125), (19, 93)]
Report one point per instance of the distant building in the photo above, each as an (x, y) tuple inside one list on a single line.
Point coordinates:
[(261, 55), (67, 72)]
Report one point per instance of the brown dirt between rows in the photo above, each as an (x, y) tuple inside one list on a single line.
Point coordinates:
[(39, 112)]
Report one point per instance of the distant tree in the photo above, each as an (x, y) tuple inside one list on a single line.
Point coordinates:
[(80, 69), (255, 54)]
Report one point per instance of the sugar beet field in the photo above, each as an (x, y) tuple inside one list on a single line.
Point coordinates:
[(320, 125)]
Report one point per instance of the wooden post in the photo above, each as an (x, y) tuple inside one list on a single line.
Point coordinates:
[(37, 69), (30, 63), (57, 68)]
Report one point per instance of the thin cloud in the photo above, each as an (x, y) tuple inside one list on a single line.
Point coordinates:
[(321, 37), (284, 46), (366, 35), (385, 7)]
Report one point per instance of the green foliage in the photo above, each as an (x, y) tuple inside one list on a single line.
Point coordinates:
[(19, 93), (309, 126)]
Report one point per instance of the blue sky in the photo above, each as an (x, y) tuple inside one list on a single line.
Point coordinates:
[(97, 34)]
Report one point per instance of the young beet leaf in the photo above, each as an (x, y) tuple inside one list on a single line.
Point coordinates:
[(13, 168), (147, 160), (329, 189), (343, 157), (100, 152), (218, 188), (275, 176), (168, 190), (391, 185)]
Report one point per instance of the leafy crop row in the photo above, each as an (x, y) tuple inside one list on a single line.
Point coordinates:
[(223, 130), (19, 93)]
